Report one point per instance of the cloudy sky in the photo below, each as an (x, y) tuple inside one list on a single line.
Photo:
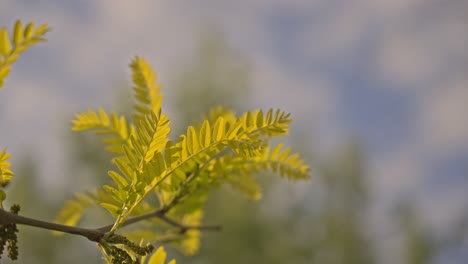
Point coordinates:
[(391, 73)]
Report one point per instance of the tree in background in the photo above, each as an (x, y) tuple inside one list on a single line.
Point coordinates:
[(158, 186), (328, 227)]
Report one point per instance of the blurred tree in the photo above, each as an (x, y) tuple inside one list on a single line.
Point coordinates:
[(327, 225), (255, 237), (216, 76)]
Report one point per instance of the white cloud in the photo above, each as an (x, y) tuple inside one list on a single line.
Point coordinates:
[(339, 33), (404, 59), (442, 211), (420, 42), (397, 173), (442, 122), (274, 85)]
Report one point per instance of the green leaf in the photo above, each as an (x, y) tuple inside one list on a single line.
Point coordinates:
[(218, 129), (205, 134), (73, 209), (114, 210), (192, 140), (113, 129), (146, 90), (119, 180)]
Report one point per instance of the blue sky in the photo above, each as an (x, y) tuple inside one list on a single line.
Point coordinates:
[(391, 73)]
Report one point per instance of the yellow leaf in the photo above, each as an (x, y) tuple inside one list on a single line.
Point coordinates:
[(259, 119), (159, 257), (104, 117), (114, 210), (232, 133), (192, 141), (218, 130), (274, 153), (18, 33), (205, 134), (28, 32), (42, 29), (5, 45), (4, 71)]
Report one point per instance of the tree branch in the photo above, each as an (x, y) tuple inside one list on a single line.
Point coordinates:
[(161, 214), (91, 234), (96, 234)]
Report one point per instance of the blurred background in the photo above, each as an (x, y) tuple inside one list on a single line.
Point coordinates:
[(378, 90)]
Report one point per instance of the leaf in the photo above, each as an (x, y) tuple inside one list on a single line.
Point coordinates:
[(232, 133), (245, 184), (8, 53), (205, 134), (114, 210), (28, 31), (192, 140), (113, 129), (146, 90), (5, 45), (248, 121), (5, 173), (42, 29), (73, 209), (118, 196), (274, 153), (259, 119), (291, 166), (4, 71), (218, 129), (119, 180), (159, 257), (18, 33)]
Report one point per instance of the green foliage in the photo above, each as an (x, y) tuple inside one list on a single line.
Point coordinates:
[(146, 90), (5, 173), (175, 176), (114, 128), (23, 38), (222, 149)]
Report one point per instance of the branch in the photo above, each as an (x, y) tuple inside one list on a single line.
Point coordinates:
[(161, 214), (95, 234), (91, 234)]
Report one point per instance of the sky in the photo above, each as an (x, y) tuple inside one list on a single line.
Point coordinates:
[(390, 73)]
